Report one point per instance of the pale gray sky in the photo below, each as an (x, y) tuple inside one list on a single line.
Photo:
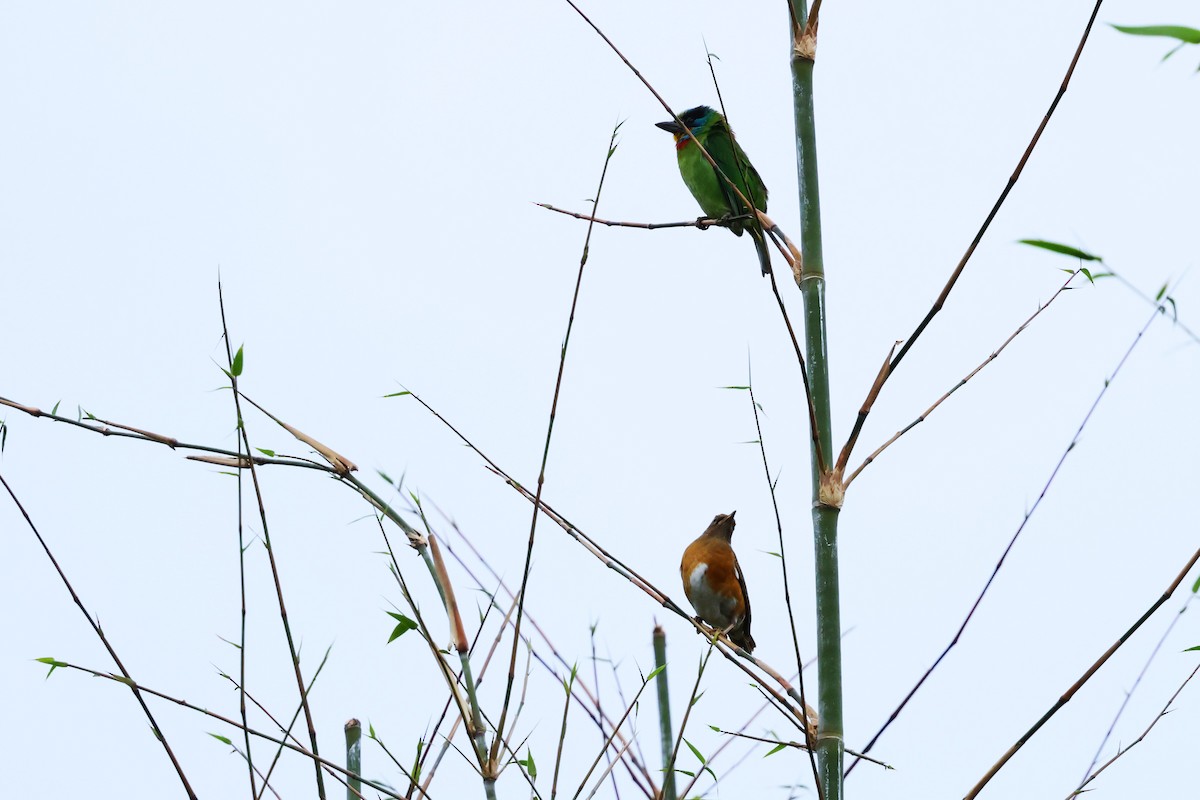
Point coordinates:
[(362, 178)]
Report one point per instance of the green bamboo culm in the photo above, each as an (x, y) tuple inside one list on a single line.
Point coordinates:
[(354, 759), (830, 738), (664, 712)]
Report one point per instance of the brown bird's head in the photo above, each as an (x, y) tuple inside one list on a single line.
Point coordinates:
[(722, 526)]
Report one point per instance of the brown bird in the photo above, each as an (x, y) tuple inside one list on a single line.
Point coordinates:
[(713, 582)]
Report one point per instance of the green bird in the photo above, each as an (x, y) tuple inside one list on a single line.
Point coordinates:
[(715, 196)]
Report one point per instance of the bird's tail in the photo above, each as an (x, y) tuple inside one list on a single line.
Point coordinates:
[(760, 244), (740, 636)]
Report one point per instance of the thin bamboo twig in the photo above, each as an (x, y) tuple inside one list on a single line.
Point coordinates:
[(1087, 675), (1012, 181), (1011, 542), (236, 458), (562, 735), (328, 765), (112, 653), (1129, 694), (607, 770), (787, 592), (693, 698), (798, 745), (244, 435), (642, 779), (241, 518), (600, 710), (1093, 775), (295, 714), (608, 742), (701, 223), (541, 478), (845, 454)]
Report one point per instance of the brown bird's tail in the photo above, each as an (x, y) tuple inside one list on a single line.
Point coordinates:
[(741, 636)]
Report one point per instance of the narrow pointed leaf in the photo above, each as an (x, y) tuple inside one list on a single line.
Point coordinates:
[(1063, 249)]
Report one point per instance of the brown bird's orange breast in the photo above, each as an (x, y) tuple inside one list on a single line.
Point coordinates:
[(710, 582)]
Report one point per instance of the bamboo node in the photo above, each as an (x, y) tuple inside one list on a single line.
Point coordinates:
[(832, 490)]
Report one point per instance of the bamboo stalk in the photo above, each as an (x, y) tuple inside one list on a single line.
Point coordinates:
[(826, 504)]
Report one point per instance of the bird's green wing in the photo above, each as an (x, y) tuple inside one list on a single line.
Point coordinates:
[(733, 162)]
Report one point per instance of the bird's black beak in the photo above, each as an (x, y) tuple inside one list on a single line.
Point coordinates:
[(670, 126), (732, 514)]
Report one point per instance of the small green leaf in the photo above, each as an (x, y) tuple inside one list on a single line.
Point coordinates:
[(1180, 32), (1161, 292), (397, 394), (695, 752), (54, 411), (775, 749), (266, 452), (53, 664), (715, 728), (404, 626), (222, 739), (238, 360), (654, 673), (1063, 249), (1190, 649), (739, 388)]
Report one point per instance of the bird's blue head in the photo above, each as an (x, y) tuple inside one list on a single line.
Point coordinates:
[(695, 121)]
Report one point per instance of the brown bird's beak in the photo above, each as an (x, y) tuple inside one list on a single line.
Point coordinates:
[(670, 127)]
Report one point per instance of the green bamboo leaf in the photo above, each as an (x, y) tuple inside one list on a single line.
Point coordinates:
[(528, 764), (403, 626), (265, 452), (740, 388), (238, 362), (54, 411), (53, 664), (1062, 249), (1196, 585), (397, 394), (221, 739), (654, 673), (1180, 32), (1161, 292), (775, 749), (1189, 649), (699, 756)]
